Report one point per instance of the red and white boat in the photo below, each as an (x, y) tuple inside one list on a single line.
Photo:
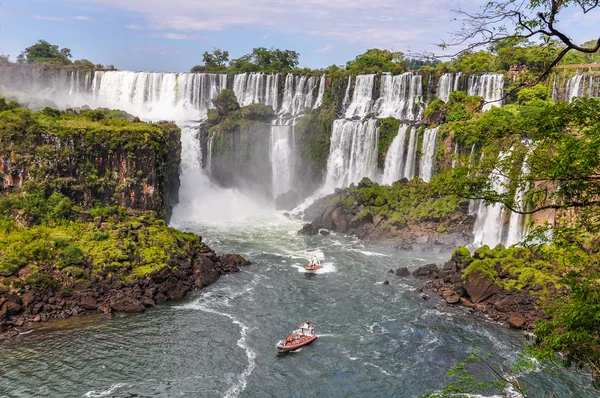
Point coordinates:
[(314, 264), (301, 337)]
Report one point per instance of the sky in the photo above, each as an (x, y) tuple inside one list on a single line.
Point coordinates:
[(172, 35)]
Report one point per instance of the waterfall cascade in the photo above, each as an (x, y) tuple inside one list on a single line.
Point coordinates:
[(256, 88), (394, 161), (362, 98), (428, 154), (400, 97), (490, 86), (489, 225), (353, 153), (448, 83)]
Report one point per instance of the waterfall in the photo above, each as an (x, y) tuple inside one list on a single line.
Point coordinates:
[(394, 160), (346, 102), (448, 83), (489, 224), (353, 152), (489, 86), (321, 93), (185, 96), (455, 159), (256, 88), (411, 155), (516, 232), (428, 154), (282, 158), (400, 97), (572, 90), (362, 99)]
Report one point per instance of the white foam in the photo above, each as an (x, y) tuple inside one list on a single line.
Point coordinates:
[(370, 254), (327, 268), (105, 393)]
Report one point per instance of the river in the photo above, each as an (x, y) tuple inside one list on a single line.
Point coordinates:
[(375, 339)]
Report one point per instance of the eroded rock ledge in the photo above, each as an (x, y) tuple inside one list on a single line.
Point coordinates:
[(481, 294), (190, 270), (407, 215)]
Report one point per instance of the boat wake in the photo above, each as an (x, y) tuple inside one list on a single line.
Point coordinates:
[(327, 269), (236, 389), (106, 393)]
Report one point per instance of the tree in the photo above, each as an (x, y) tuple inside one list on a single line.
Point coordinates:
[(497, 21), (43, 52), (266, 60), (226, 102), (376, 60), (215, 61)]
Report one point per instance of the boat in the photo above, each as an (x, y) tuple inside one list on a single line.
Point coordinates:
[(299, 338), (314, 264)]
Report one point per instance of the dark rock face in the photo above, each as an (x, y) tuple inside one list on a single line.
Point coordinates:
[(287, 201), (108, 296), (429, 271), (402, 272)]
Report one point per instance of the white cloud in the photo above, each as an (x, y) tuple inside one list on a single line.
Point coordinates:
[(379, 23), (265, 37), (171, 36), (82, 18), (46, 18), (160, 50), (325, 49), (134, 27)]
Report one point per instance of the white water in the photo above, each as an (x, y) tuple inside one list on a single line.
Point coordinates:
[(572, 90), (154, 96), (282, 158), (256, 88), (428, 154), (490, 86), (362, 98), (394, 160), (448, 83), (400, 97), (489, 224), (516, 230), (353, 152), (346, 102), (411, 155)]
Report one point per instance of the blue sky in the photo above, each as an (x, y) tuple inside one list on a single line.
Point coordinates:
[(171, 35)]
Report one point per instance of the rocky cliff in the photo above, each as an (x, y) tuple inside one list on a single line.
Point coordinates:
[(408, 215), (83, 203)]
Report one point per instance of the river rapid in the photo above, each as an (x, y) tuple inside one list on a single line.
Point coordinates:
[(375, 339)]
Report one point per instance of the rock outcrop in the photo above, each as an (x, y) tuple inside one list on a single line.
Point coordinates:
[(346, 212), (19, 311)]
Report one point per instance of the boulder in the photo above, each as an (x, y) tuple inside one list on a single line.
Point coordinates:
[(516, 320), (88, 303), (28, 298), (451, 297), (147, 301), (126, 303), (340, 220), (429, 271), (402, 272), (9, 308), (309, 229), (287, 201), (480, 287)]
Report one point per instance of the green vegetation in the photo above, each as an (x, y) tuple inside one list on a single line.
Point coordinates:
[(261, 59), (44, 147), (63, 244), (45, 53), (229, 117), (402, 203)]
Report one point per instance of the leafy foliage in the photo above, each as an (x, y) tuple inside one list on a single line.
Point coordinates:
[(376, 60), (43, 52)]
